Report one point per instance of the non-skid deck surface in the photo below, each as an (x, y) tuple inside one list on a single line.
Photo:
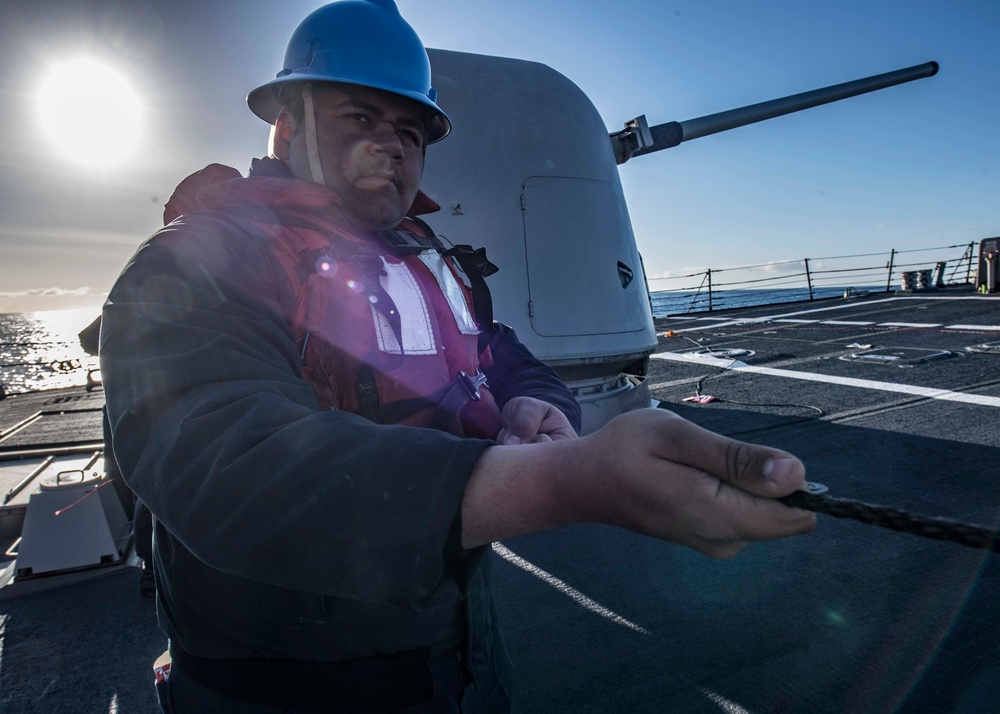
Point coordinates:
[(852, 618), (82, 649)]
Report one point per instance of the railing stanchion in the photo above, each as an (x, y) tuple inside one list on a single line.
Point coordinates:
[(709, 274), (888, 280), (968, 271), (809, 282)]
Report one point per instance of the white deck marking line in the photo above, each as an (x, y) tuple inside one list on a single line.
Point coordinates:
[(673, 383), (927, 392), (978, 328), (729, 707), (575, 595), (845, 322), (910, 324), (937, 297), (802, 322)]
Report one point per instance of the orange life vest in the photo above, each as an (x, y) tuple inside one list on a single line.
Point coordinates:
[(385, 328), (384, 324)]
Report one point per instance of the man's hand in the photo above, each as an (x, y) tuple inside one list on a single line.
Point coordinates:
[(526, 420), (668, 478), (649, 471)]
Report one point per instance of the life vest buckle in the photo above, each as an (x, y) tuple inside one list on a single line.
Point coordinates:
[(472, 383)]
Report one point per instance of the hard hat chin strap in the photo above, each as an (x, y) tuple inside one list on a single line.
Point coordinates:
[(312, 143)]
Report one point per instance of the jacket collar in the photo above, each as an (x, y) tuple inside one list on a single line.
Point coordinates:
[(269, 182)]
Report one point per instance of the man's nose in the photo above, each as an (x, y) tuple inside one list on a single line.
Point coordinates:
[(385, 140)]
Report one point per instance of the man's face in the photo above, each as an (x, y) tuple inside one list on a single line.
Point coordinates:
[(371, 144)]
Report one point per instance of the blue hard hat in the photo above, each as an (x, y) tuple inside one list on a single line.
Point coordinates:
[(363, 42)]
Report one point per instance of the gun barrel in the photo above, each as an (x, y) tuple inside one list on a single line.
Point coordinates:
[(670, 134)]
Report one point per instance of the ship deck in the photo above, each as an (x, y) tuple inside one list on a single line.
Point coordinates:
[(886, 403), (852, 618)]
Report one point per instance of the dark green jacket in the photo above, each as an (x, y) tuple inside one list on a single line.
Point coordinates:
[(284, 531)]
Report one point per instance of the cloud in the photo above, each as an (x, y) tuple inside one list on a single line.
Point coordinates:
[(777, 266), (52, 293), (54, 298), (788, 266)]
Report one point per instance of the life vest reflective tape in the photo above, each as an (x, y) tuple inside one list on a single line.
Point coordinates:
[(477, 268), (407, 314), (452, 292)]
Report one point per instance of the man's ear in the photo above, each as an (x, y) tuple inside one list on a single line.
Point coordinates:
[(281, 135)]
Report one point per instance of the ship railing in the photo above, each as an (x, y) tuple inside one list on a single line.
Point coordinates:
[(812, 279)]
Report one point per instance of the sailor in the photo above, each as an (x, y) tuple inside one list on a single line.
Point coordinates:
[(330, 431)]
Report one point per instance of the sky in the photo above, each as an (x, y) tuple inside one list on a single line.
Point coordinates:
[(913, 166)]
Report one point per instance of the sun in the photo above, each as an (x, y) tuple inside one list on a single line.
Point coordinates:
[(89, 112)]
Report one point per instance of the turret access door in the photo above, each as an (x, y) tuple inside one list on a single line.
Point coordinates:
[(584, 274)]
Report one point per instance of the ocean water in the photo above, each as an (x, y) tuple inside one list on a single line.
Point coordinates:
[(41, 350), (684, 302)]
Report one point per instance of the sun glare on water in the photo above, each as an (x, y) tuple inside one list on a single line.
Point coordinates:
[(89, 112)]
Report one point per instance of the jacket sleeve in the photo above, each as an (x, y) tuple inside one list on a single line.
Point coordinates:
[(518, 373), (217, 432)]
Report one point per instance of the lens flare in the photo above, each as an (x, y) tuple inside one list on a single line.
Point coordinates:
[(835, 617)]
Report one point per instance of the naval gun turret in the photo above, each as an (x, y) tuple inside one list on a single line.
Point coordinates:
[(529, 172)]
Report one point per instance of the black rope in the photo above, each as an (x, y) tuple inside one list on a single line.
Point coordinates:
[(894, 519)]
